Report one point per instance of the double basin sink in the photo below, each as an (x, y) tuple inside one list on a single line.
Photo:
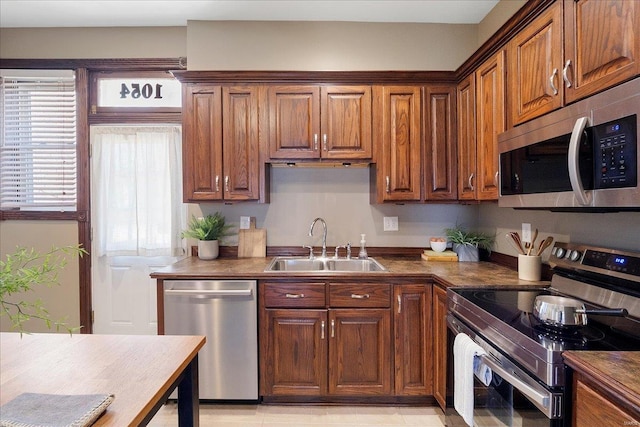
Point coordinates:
[(305, 264)]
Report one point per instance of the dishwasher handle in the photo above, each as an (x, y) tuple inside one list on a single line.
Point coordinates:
[(209, 293)]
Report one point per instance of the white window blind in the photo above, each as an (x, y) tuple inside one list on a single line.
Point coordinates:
[(38, 145)]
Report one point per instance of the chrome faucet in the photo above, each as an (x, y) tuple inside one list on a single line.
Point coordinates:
[(324, 235)]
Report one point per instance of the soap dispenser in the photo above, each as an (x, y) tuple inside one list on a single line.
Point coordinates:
[(363, 250)]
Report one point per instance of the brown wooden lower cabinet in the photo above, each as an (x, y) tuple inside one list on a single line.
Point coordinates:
[(593, 407), (367, 341), (440, 345)]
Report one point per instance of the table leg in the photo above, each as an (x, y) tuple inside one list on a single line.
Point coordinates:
[(189, 396)]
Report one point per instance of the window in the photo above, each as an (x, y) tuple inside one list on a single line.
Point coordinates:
[(38, 140)]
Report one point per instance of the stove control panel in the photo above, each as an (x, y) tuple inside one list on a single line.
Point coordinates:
[(611, 262)]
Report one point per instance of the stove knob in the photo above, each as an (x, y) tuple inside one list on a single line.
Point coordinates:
[(560, 252), (575, 256), (568, 254)]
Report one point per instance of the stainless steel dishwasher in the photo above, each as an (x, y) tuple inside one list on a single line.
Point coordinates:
[(225, 311)]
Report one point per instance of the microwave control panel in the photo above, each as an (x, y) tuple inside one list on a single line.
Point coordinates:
[(616, 158)]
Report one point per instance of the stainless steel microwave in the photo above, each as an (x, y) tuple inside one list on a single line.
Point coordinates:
[(582, 157)]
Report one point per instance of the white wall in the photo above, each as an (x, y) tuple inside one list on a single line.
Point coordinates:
[(341, 197), (322, 46)]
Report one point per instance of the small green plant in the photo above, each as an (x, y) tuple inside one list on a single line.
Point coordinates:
[(23, 271), (462, 237), (210, 227)]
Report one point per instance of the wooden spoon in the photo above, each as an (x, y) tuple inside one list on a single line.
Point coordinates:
[(544, 245), (533, 241)]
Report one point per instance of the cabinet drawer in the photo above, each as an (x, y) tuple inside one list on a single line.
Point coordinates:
[(303, 295), (359, 295)]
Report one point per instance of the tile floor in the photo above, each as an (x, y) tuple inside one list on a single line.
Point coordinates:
[(305, 416)]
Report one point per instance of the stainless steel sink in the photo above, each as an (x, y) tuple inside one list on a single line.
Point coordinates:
[(304, 264)]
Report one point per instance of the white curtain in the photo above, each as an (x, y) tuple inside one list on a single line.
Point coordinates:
[(136, 190)]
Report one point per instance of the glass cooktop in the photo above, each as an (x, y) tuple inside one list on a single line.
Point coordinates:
[(515, 308)]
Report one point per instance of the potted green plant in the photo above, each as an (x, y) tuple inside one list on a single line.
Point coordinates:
[(208, 230), (466, 243), (22, 272)]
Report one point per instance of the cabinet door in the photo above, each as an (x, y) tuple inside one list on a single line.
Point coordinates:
[(592, 407), (413, 350), (202, 143), (240, 143), (602, 45), (294, 356), (466, 106), (294, 122), (491, 121), (440, 166), (360, 352), (397, 121), (440, 345), (346, 122), (535, 67)]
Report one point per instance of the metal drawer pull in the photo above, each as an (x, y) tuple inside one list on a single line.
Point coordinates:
[(324, 142), (294, 295), (217, 183), (388, 184), (399, 304), (315, 141), (552, 81), (333, 328), (322, 330), (356, 296), (471, 182), (226, 183), (565, 73)]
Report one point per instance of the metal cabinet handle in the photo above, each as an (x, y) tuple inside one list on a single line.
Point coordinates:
[(333, 328), (399, 304), (324, 142), (495, 178), (471, 182), (226, 183), (388, 184), (217, 183), (294, 295), (552, 81), (315, 141), (322, 330), (356, 296), (565, 73)]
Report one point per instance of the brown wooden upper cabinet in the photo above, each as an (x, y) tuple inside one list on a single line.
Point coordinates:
[(481, 117), (313, 122), (599, 39), (396, 117), (440, 173), (220, 143)]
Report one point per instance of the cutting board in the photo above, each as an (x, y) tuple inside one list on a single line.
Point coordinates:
[(252, 242), (430, 255)]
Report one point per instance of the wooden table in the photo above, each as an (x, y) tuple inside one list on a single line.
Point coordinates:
[(140, 370)]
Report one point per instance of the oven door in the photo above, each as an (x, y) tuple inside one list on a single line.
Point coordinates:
[(513, 398)]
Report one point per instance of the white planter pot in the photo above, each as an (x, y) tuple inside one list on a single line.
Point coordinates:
[(466, 252), (208, 249)]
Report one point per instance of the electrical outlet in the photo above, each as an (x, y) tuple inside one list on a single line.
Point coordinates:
[(526, 232), (245, 222), (390, 223)]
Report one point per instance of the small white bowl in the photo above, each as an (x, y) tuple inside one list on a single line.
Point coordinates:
[(438, 246)]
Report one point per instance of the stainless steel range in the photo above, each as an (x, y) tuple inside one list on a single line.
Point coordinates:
[(593, 303)]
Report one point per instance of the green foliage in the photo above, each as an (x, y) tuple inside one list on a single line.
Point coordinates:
[(460, 236), (210, 227), (25, 270)]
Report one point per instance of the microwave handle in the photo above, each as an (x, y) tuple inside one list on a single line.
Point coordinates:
[(574, 159)]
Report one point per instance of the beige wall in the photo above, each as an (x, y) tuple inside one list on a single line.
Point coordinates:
[(61, 301), (500, 14), (74, 43), (327, 46)]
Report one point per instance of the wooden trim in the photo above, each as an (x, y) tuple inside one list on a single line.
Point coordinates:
[(314, 77), (8, 215), (499, 39), (116, 64), (137, 118)]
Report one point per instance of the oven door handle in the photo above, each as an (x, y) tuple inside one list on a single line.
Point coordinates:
[(539, 398)]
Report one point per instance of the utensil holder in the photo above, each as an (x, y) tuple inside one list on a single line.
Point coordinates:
[(529, 267)]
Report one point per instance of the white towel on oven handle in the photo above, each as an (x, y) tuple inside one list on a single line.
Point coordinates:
[(464, 352)]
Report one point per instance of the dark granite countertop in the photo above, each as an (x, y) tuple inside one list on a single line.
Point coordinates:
[(445, 273), (615, 371)]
